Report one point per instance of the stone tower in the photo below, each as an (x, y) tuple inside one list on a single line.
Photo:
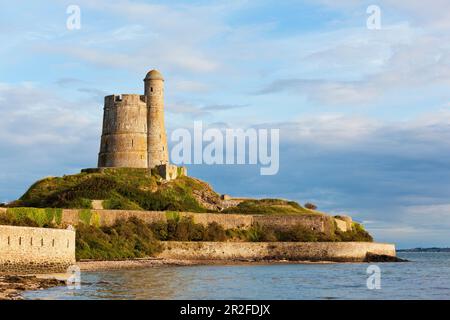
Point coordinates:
[(134, 135), (157, 139), (124, 135)]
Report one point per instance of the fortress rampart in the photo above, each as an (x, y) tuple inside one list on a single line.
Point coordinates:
[(109, 217), (295, 251), (36, 250), (102, 217), (319, 223)]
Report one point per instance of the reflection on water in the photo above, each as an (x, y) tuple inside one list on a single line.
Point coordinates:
[(426, 277)]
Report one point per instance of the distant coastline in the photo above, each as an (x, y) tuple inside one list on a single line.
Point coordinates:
[(433, 249)]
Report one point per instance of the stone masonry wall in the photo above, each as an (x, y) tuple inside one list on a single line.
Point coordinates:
[(25, 250), (319, 223), (109, 217), (170, 171), (157, 148), (295, 251), (124, 133)]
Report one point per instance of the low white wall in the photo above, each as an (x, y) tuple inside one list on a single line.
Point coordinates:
[(36, 250), (313, 251)]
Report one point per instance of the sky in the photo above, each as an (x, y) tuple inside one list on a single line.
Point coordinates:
[(363, 114)]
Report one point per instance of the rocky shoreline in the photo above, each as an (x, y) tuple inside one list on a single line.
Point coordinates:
[(99, 265), (12, 286), (103, 265)]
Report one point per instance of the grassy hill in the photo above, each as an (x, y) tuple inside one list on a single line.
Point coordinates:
[(121, 188), (270, 207), (138, 189)]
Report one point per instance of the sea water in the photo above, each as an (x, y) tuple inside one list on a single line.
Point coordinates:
[(426, 276)]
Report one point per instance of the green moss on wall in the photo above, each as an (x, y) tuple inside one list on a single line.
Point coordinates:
[(84, 216), (173, 215), (95, 219), (39, 217), (58, 215)]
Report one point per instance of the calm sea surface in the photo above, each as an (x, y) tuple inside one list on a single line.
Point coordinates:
[(427, 276)]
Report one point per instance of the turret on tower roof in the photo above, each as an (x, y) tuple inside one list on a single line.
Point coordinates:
[(154, 75)]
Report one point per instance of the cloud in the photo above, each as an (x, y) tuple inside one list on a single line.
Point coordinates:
[(393, 175), (196, 111), (419, 63), (346, 67), (221, 107), (435, 14), (68, 81), (173, 37), (191, 86), (186, 109), (39, 117), (432, 216), (394, 172), (325, 92), (42, 134), (129, 33), (97, 94), (81, 86), (167, 56)]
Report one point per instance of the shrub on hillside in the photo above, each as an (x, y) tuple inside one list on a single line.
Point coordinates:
[(298, 233), (185, 229), (118, 202), (215, 232), (79, 203), (126, 239), (259, 233), (160, 230), (310, 206), (357, 233)]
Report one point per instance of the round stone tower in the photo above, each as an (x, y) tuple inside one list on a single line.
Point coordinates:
[(124, 134), (156, 132)]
